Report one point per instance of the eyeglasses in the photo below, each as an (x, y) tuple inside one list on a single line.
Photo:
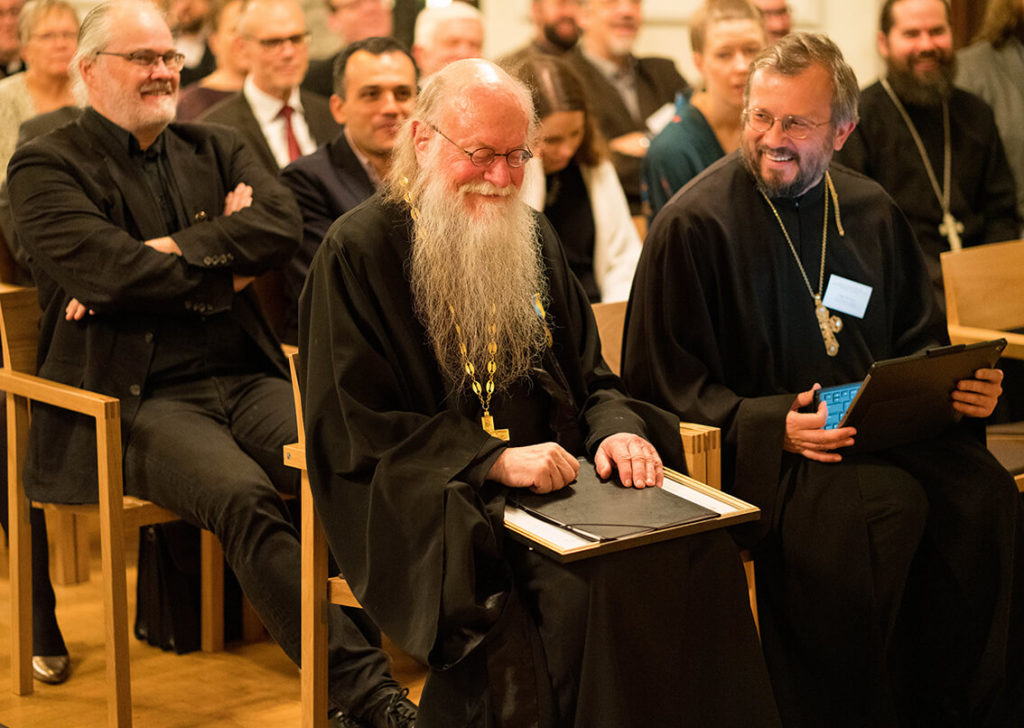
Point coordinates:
[(779, 13), (272, 45), (795, 127), (173, 60), (344, 7), (485, 156)]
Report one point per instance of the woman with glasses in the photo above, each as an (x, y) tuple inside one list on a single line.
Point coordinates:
[(574, 183), (48, 30), (725, 35)]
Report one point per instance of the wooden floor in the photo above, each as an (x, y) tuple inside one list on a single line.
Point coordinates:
[(247, 686)]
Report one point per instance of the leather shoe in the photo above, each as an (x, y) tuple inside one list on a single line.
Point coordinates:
[(53, 669), (394, 711), (338, 719)]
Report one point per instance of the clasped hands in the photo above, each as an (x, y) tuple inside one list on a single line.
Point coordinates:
[(805, 434), (235, 200), (547, 466)]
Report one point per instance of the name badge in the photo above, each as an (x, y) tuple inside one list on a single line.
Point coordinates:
[(847, 296)]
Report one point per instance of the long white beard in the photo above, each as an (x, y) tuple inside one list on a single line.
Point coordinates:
[(486, 268)]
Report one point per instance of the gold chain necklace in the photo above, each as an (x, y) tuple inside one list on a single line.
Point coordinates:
[(828, 324), (483, 393), (950, 226)]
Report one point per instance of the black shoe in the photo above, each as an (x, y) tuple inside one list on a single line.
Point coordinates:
[(337, 719), (52, 670), (394, 711)]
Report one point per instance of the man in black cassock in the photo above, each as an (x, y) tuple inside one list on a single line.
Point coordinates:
[(916, 102), (884, 579), (448, 355)]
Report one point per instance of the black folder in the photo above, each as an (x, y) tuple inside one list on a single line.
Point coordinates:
[(605, 510)]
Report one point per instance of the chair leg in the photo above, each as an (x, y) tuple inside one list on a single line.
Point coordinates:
[(115, 581), (314, 617), (748, 567), (211, 571), (19, 549), (70, 548)]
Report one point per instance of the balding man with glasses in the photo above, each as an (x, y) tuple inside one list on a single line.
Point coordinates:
[(144, 237), (280, 121)]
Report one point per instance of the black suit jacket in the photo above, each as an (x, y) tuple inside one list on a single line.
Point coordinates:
[(235, 112), (84, 210), (320, 76), (658, 81), (327, 184)]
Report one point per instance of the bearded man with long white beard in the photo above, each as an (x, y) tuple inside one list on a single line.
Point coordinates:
[(449, 356)]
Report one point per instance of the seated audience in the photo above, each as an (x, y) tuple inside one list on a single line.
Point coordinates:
[(375, 93), (350, 20), (144, 237), (229, 75), (442, 280), (445, 34), (626, 91), (725, 35), (48, 31), (993, 68), (557, 24), (574, 183), (934, 147), (884, 579)]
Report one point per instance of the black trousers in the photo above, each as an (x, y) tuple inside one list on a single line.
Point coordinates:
[(210, 451), (885, 589)]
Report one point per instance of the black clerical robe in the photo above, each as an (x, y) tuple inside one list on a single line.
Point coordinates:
[(982, 189), (398, 465), (721, 329)]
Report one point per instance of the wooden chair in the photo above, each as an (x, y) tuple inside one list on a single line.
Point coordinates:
[(317, 590), (985, 300), (19, 331), (702, 444)]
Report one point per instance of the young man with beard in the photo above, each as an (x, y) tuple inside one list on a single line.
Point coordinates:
[(448, 357), (934, 147), (884, 580), (558, 28), (144, 237)]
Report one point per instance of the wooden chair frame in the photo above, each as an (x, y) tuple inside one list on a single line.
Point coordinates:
[(19, 313), (984, 287)]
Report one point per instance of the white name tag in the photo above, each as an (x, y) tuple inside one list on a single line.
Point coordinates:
[(660, 118), (846, 296)]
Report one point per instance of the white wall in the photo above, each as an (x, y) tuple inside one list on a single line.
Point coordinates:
[(852, 25)]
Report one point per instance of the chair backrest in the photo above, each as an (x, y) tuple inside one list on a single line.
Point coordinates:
[(19, 327), (611, 318), (293, 363), (985, 286)]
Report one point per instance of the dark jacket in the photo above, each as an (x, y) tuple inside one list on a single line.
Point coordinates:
[(83, 211)]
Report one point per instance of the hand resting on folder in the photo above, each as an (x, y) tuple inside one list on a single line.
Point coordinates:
[(546, 466), (975, 397)]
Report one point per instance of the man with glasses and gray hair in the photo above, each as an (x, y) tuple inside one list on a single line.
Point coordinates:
[(449, 358), (280, 121), (144, 237), (884, 579)]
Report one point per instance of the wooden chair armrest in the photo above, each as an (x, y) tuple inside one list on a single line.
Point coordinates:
[(970, 335), (38, 389), (295, 456)]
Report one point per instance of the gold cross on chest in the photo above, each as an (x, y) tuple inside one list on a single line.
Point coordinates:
[(830, 325), (487, 422), (951, 228)]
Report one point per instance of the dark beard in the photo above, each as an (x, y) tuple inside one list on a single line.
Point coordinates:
[(933, 90), (552, 37)]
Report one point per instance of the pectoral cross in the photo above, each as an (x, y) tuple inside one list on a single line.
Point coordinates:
[(487, 422), (951, 228), (830, 325)]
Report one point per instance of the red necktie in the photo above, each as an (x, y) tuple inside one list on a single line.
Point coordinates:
[(289, 133)]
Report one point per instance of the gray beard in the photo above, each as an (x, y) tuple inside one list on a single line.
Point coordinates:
[(487, 270)]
